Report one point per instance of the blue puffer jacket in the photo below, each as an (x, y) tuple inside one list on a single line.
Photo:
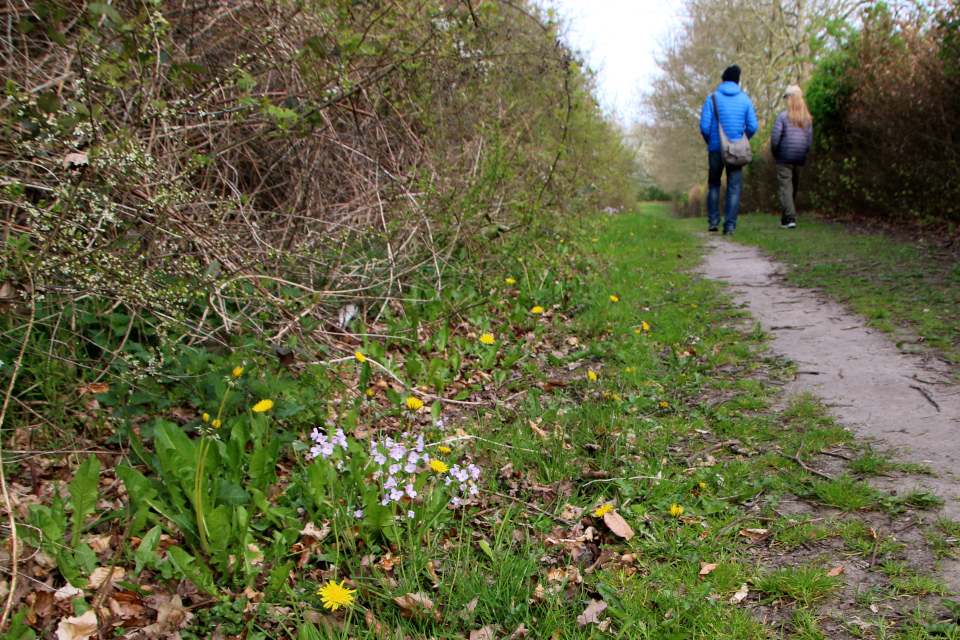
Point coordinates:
[(788, 143), (736, 116)]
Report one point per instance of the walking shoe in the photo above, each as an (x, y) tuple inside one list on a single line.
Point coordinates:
[(713, 228), (788, 225), (728, 232)]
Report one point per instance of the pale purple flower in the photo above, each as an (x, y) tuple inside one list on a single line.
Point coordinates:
[(358, 514), (394, 468), (411, 491), (396, 495), (410, 467), (411, 515), (390, 483)]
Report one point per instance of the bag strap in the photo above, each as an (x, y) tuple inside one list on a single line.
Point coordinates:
[(716, 112)]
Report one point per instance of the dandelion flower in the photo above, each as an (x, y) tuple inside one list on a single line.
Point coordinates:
[(645, 326), (263, 405), (414, 403), (205, 417), (703, 485), (487, 338), (614, 299), (444, 450), (360, 357), (370, 393), (676, 511), (216, 424), (605, 509), (511, 281), (537, 309), (694, 306), (596, 239), (237, 372), (333, 595), (591, 375), (439, 466), (638, 331), (663, 405)]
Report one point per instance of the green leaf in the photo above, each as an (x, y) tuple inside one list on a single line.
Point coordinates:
[(189, 567), (49, 102), (56, 36), (18, 630), (146, 552), (231, 494), (83, 494), (103, 9), (85, 557), (485, 547), (278, 577)]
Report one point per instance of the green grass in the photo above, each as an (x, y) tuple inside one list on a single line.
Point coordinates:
[(845, 493), (896, 285), (804, 584)]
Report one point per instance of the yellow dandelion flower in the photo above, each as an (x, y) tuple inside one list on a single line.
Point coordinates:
[(414, 403), (333, 595), (631, 233), (371, 393), (487, 338), (444, 450), (237, 372), (703, 485), (663, 405), (360, 357), (694, 306), (216, 424), (537, 309), (599, 513), (596, 239), (263, 405), (638, 331), (591, 375), (511, 281), (614, 299), (645, 326), (616, 398), (439, 466), (205, 417), (676, 511)]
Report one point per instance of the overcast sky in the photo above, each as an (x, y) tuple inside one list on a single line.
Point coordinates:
[(620, 38)]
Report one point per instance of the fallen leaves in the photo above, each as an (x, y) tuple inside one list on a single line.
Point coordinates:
[(417, 606), (77, 628), (103, 574), (618, 525), (754, 534), (591, 615), (740, 595), (836, 571), (706, 568)]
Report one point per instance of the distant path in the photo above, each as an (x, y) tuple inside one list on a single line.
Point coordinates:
[(869, 384)]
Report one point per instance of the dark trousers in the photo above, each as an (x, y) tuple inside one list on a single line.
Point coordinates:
[(788, 177), (734, 180)]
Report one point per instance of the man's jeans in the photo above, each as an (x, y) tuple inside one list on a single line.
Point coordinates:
[(734, 179)]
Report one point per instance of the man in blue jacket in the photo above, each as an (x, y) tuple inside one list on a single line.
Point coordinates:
[(738, 118)]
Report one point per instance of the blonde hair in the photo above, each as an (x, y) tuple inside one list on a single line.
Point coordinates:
[(797, 113)]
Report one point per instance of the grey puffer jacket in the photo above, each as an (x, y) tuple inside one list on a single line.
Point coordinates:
[(790, 144)]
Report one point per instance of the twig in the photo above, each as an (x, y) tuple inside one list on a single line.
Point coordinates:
[(15, 550), (797, 459), (835, 455), (711, 449), (927, 396), (529, 506), (736, 522), (773, 533), (873, 557)]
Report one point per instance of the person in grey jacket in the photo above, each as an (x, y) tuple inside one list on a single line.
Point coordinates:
[(790, 141)]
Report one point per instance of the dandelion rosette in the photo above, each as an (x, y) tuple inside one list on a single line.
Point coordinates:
[(333, 595)]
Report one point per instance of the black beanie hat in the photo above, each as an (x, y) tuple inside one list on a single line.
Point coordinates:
[(731, 74)]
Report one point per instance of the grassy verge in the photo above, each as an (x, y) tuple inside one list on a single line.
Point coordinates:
[(619, 471), (905, 289)]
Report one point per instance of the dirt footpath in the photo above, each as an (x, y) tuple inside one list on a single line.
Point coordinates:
[(898, 401)]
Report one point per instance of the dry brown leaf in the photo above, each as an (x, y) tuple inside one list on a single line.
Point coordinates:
[(468, 609), (753, 534), (521, 633), (100, 543), (706, 568), (537, 431), (379, 629), (67, 592), (618, 525), (740, 595), (489, 632), (416, 605), (125, 605), (591, 615), (77, 628), (556, 575), (102, 574), (311, 530), (835, 571)]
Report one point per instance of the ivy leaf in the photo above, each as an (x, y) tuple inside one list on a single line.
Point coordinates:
[(83, 494)]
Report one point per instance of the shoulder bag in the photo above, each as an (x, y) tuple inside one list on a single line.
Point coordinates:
[(734, 154)]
